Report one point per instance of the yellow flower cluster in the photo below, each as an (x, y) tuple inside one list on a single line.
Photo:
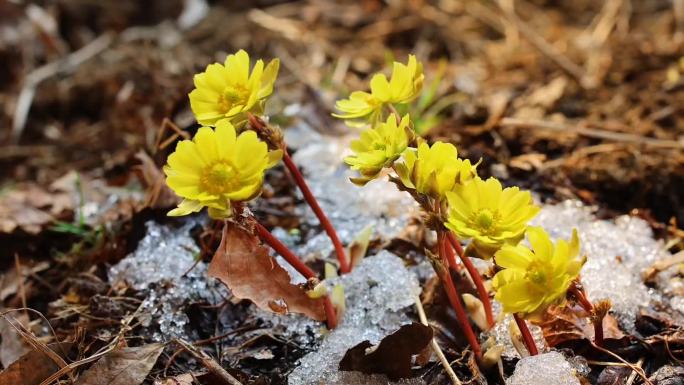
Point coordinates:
[(404, 85), (533, 279), (218, 166), (493, 218)]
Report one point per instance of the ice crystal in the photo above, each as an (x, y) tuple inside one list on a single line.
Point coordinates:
[(162, 265), (617, 251)]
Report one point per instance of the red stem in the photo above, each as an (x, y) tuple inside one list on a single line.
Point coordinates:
[(455, 300), (297, 263), (526, 335), (313, 203), (589, 307), (475, 275)]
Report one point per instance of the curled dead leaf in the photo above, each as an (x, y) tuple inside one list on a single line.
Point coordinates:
[(246, 267), (393, 356), (565, 323)]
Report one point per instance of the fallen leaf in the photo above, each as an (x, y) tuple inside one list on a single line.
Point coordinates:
[(29, 207), (183, 379), (13, 346), (246, 267), (125, 366), (393, 356), (33, 367), (565, 323), (10, 281)]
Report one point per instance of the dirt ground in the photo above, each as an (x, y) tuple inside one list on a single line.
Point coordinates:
[(576, 99)]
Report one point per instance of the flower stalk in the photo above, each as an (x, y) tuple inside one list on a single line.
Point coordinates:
[(455, 298), (297, 263), (475, 275), (597, 313), (526, 335), (263, 130)]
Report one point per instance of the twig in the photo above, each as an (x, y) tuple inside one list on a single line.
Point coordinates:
[(208, 363), (635, 368), (549, 50), (435, 346), (593, 132), (66, 64), (632, 376)]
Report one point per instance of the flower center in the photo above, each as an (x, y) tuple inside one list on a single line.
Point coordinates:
[(220, 177), (537, 276), (485, 219), (233, 95)]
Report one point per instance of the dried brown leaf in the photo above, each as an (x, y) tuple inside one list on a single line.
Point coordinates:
[(33, 367), (126, 366), (13, 346), (565, 323), (246, 267), (392, 356)]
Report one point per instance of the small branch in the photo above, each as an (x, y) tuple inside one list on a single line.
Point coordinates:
[(297, 263), (526, 335), (64, 65), (208, 363), (590, 132), (435, 346), (475, 275), (549, 50)]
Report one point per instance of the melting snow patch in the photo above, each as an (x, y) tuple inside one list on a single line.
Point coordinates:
[(159, 263), (617, 251), (378, 292), (544, 369)]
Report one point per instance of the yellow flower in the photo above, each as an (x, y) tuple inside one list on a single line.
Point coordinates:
[(227, 91), (488, 214), (404, 86), (532, 280), (217, 167), (379, 147), (434, 170)]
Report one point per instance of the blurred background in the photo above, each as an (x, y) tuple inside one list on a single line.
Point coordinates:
[(571, 98)]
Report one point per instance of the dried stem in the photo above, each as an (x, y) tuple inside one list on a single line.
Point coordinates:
[(435, 346), (526, 335), (297, 263), (455, 298), (475, 275)]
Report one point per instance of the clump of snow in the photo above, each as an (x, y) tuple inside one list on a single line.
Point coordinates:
[(544, 369), (379, 292), (617, 250), (158, 265)]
